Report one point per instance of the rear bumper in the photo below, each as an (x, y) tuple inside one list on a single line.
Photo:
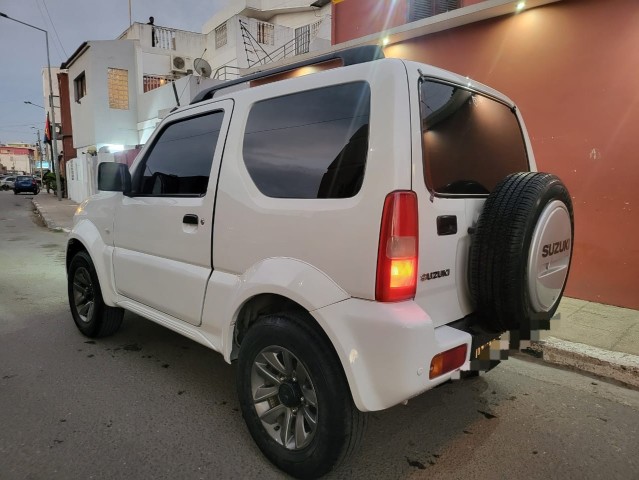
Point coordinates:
[(386, 349)]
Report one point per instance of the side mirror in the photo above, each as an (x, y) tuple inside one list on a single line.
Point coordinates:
[(114, 177)]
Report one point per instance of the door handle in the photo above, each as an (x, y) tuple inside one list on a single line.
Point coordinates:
[(190, 219)]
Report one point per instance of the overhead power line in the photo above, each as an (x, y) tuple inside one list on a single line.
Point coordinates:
[(55, 30)]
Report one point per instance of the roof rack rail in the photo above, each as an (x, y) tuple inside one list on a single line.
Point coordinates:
[(350, 56)]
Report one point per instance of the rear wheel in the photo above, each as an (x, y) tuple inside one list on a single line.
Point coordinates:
[(92, 317), (295, 398)]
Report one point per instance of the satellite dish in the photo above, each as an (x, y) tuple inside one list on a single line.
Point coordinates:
[(202, 67)]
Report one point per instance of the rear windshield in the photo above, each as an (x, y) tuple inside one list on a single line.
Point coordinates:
[(470, 141), (23, 178)]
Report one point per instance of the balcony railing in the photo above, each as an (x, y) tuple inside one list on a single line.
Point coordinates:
[(151, 82)]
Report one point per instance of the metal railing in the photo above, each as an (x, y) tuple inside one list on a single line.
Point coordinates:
[(257, 55), (226, 72), (151, 82)]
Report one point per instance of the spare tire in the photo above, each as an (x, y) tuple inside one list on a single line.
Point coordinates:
[(521, 251)]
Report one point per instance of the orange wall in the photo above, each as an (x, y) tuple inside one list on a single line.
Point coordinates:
[(573, 69)]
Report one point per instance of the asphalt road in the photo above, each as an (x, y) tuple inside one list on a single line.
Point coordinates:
[(147, 403)]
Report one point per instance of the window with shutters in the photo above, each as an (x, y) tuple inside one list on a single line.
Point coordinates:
[(266, 33), (418, 9)]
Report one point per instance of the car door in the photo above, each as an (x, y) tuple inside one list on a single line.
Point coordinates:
[(163, 228)]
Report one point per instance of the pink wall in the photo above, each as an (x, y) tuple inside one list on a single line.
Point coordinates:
[(573, 69)]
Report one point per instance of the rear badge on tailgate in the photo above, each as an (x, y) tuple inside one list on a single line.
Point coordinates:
[(434, 275)]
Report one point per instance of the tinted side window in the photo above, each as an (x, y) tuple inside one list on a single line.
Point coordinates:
[(470, 141), (179, 162), (310, 144)]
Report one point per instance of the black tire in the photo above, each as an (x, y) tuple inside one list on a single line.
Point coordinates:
[(15, 192), (340, 425), (501, 249), (83, 287)]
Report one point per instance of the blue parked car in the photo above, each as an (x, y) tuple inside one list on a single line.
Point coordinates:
[(25, 183)]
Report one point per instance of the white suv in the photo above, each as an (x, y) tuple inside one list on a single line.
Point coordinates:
[(351, 238)]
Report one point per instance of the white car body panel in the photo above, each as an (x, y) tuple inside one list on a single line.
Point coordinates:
[(267, 229), (288, 277), (160, 261), (87, 234), (386, 349)]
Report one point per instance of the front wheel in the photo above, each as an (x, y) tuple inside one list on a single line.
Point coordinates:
[(92, 317), (295, 398)]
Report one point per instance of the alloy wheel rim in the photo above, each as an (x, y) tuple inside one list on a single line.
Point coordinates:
[(83, 295), (284, 397)]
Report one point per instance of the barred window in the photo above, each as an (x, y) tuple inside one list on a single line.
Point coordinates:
[(221, 36), (118, 81), (302, 39), (266, 33)]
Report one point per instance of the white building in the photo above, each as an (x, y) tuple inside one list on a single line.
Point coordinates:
[(116, 92), (121, 89), (249, 33)]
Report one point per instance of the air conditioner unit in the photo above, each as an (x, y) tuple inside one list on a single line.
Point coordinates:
[(180, 64)]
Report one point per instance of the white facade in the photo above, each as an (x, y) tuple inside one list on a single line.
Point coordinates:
[(161, 72), (94, 122), (259, 32)]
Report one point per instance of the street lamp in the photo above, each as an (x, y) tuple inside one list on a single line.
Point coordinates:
[(31, 103), (54, 137)]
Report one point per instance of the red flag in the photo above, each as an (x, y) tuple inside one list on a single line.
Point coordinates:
[(47, 130)]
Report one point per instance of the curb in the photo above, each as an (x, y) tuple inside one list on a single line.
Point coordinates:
[(622, 367), (48, 221)]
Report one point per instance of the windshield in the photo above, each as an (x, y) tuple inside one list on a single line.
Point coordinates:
[(470, 141)]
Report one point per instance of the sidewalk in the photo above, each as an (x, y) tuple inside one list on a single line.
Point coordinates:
[(596, 338), (57, 215)]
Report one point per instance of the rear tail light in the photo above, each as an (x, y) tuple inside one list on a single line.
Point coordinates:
[(397, 253), (448, 361)]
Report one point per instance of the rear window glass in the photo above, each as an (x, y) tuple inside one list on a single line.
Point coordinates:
[(310, 144), (470, 141), (24, 177)]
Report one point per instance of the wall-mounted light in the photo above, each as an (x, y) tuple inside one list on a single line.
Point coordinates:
[(114, 148), (385, 41), (520, 6)]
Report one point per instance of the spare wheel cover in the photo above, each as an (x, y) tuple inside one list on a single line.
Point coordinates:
[(549, 256)]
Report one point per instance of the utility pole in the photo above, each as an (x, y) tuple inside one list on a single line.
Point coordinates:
[(40, 155)]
